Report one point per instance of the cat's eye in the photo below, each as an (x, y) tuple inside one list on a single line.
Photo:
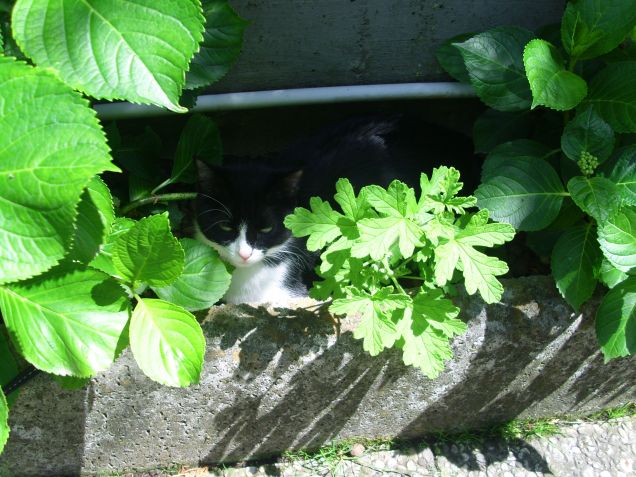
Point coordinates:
[(225, 227), (266, 230)]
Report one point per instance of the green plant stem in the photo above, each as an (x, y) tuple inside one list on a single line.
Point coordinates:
[(165, 183), (572, 63), (385, 261), (153, 199)]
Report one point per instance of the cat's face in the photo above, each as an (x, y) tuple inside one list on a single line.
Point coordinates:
[(240, 210)]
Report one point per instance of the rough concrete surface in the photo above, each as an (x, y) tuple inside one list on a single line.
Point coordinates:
[(585, 449), (305, 43), (272, 383)]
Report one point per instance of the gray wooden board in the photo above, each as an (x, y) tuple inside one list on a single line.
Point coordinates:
[(307, 43)]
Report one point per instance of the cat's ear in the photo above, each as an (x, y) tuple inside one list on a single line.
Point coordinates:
[(285, 187), (208, 175), (290, 183)]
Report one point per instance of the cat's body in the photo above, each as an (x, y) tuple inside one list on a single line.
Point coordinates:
[(241, 206)]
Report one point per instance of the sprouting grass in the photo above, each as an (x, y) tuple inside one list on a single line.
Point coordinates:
[(626, 410), (527, 429), (530, 428), (332, 456)]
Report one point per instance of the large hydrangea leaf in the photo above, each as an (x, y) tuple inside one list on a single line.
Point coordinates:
[(68, 321), (51, 145), (138, 50)]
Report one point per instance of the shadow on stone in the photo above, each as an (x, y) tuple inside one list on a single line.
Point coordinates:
[(314, 404), (479, 456), (264, 335), (530, 352)]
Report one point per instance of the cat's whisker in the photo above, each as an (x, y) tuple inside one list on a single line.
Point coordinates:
[(215, 210), (212, 225), (302, 259), (217, 201)]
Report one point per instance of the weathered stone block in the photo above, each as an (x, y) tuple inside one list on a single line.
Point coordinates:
[(272, 383)]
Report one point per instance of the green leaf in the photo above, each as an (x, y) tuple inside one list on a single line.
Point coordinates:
[(613, 95), (450, 58), (437, 311), (377, 329), (200, 138), (424, 346), (52, 145), (398, 200), (68, 321), (610, 275), (524, 191), (618, 240), (139, 154), (148, 253), (479, 270), (138, 50), (587, 132), (139, 187), (70, 382), (591, 28), (596, 196), (4, 420), (94, 219), (377, 237), (575, 258), (221, 46), (167, 342), (495, 127), (551, 84), (203, 282), (104, 260), (616, 320), (624, 174), (495, 67), (439, 193), (320, 224), (9, 369), (334, 257), (518, 149), (354, 208)]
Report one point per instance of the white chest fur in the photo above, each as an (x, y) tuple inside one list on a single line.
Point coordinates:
[(259, 283)]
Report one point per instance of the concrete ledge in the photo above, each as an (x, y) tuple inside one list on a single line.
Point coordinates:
[(272, 383)]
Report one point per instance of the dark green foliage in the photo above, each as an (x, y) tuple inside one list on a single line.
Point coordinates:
[(519, 186)]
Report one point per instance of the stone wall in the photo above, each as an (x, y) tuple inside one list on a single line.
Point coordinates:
[(305, 43), (291, 380)]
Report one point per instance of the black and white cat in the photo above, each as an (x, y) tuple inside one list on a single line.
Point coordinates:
[(241, 206)]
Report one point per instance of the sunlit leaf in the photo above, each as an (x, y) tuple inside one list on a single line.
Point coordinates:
[(167, 342), (52, 145), (138, 50), (68, 321)]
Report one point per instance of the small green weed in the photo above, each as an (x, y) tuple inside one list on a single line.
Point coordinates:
[(626, 410), (331, 457), (526, 429)]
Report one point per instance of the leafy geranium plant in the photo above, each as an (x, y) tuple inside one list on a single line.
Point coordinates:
[(561, 161), (391, 258), (75, 278)]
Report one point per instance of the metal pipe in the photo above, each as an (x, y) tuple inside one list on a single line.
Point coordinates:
[(294, 97)]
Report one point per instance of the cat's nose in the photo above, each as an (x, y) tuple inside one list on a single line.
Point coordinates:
[(245, 254)]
